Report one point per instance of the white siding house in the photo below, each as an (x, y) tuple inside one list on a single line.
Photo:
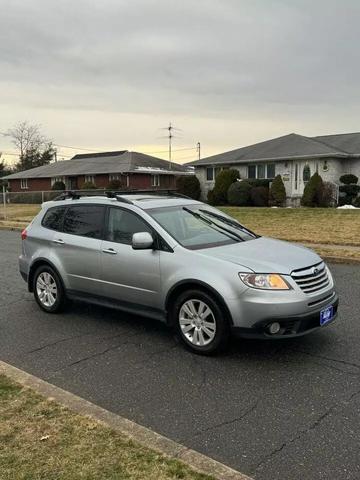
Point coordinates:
[(295, 157)]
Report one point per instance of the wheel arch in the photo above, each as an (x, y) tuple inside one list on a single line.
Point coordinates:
[(35, 265), (191, 284)]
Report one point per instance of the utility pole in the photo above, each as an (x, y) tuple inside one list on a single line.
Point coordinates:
[(198, 147), (170, 128), (55, 155)]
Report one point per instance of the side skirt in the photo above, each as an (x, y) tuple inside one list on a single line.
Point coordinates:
[(129, 307)]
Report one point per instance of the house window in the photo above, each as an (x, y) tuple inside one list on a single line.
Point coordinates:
[(155, 180), (23, 183), (128, 180), (270, 170), (210, 174), (306, 173), (57, 179), (296, 176), (114, 176), (252, 171), (262, 170), (213, 172), (90, 179)]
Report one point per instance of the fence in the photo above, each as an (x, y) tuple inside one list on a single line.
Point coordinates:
[(10, 199)]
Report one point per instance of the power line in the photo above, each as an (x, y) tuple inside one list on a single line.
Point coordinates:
[(77, 148), (174, 150)]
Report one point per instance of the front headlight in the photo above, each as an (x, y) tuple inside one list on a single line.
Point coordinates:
[(265, 281)]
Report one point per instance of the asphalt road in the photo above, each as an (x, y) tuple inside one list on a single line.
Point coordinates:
[(273, 410)]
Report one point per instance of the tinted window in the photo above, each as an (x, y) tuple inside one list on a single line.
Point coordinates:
[(53, 218), (85, 220), (122, 225), (210, 174)]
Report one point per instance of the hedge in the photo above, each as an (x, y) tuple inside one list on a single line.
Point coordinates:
[(239, 194)]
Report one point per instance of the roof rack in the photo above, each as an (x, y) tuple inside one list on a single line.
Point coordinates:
[(167, 192), (118, 194)]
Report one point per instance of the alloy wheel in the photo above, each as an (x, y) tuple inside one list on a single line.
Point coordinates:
[(197, 322), (46, 289)]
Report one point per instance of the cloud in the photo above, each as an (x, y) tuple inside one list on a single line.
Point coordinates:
[(204, 58)]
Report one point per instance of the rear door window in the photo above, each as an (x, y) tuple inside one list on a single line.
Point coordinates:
[(53, 218), (85, 220)]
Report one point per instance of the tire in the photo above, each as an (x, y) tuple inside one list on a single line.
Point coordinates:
[(207, 332), (48, 289)]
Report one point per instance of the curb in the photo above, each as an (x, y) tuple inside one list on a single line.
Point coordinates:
[(11, 229), (142, 435), (342, 260)]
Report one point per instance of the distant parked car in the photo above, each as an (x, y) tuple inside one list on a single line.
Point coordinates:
[(177, 260)]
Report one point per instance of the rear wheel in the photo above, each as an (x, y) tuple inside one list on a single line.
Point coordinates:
[(48, 290), (200, 322)]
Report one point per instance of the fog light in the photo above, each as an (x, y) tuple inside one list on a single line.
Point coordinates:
[(274, 328)]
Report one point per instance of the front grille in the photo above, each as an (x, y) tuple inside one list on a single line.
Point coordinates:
[(311, 279)]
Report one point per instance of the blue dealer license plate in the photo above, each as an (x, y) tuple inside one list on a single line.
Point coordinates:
[(326, 315)]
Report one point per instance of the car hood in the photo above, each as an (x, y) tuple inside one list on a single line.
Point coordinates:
[(265, 255)]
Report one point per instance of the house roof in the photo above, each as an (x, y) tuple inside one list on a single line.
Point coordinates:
[(347, 142), (287, 147), (106, 162)]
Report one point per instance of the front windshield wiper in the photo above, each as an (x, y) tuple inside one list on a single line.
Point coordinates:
[(229, 221), (214, 224)]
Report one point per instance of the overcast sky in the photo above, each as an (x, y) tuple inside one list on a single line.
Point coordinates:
[(108, 74)]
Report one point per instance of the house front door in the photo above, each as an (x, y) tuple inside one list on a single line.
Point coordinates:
[(297, 178), (72, 183)]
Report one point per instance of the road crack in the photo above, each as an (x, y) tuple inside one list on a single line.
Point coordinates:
[(305, 431), (97, 354), (228, 422), (323, 357)]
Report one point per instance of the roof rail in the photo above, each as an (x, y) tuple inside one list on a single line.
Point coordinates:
[(118, 194)]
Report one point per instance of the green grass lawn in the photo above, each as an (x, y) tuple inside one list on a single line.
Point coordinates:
[(41, 440)]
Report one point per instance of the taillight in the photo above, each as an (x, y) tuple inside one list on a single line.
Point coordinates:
[(24, 234)]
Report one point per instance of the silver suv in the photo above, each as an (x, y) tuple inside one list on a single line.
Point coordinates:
[(177, 260)]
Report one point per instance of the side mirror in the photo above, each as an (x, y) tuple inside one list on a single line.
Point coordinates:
[(142, 241)]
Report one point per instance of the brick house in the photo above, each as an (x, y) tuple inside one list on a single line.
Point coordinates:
[(295, 157), (134, 170)]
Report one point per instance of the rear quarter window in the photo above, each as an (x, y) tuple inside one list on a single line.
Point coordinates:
[(53, 218), (85, 220)]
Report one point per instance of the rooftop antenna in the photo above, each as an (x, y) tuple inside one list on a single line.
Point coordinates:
[(170, 136)]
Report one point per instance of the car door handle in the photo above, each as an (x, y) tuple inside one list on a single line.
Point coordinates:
[(110, 250), (59, 240)]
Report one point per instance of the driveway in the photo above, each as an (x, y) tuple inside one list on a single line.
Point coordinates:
[(273, 410)]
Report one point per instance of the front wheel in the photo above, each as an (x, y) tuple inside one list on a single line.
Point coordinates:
[(48, 290), (200, 322)]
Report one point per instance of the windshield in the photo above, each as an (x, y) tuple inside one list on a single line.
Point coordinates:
[(200, 226)]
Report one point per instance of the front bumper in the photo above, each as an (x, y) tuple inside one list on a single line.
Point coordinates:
[(291, 325)]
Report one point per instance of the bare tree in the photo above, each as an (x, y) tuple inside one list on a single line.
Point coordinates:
[(34, 148), (26, 137)]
